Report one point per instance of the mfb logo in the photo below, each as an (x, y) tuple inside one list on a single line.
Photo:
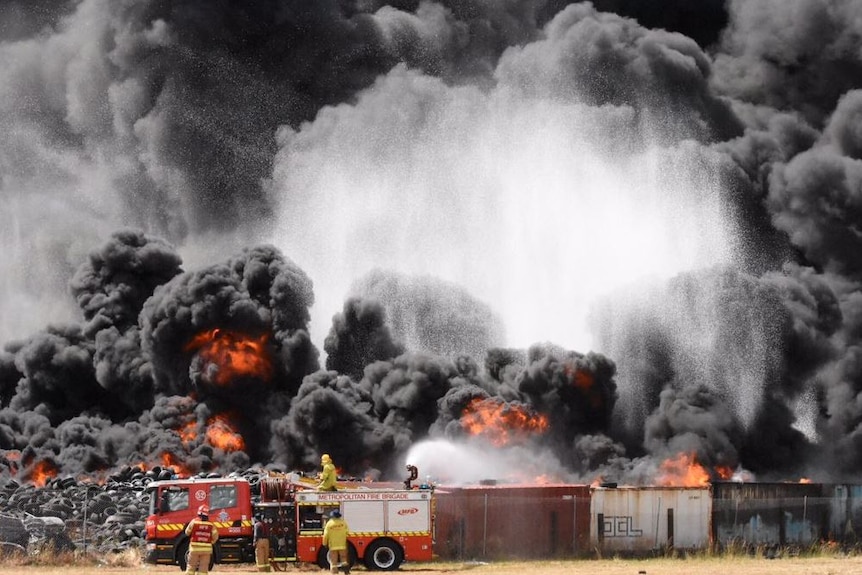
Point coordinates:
[(408, 511)]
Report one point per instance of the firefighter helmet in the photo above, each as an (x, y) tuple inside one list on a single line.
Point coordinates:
[(324, 459), (203, 511)]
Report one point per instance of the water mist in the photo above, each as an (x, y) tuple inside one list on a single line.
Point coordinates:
[(537, 207)]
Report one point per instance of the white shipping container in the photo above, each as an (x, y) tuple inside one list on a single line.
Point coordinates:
[(642, 519)]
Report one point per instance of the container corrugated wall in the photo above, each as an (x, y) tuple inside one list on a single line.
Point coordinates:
[(769, 513), (845, 512), (638, 520), (512, 521)]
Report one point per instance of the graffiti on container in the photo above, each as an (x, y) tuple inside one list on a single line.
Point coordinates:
[(620, 526)]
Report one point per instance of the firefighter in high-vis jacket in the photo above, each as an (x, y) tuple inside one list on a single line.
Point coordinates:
[(335, 539), (202, 536), (328, 477)]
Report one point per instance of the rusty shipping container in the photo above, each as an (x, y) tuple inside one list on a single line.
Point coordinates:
[(512, 521), (845, 512), (769, 513), (642, 520)]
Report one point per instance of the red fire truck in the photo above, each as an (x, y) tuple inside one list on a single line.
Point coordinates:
[(388, 524)]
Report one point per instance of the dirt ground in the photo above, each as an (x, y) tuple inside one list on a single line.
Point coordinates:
[(697, 566)]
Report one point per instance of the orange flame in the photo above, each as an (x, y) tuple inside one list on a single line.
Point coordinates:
[(41, 472), (584, 381), (233, 354), (13, 458), (98, 477), (188, 432), (171, 460), (501, 422), (581, 379), (724, 472), (682, 471), (804, 480), (222, 434)]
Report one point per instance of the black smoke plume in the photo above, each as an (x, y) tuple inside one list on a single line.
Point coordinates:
[(182, 180)]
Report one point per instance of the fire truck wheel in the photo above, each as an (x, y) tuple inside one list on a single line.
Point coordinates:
[(384, 555), (352, 556), (183, 555)]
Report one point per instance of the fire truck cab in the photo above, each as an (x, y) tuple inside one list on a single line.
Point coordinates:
[(174, 503)]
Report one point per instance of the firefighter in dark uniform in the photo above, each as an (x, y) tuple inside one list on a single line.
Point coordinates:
[(202, 535), (261, 544)]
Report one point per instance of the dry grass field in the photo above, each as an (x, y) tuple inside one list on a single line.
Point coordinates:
[(819, 565)]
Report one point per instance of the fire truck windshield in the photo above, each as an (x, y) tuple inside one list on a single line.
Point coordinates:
[(169, 499), (222, 496)]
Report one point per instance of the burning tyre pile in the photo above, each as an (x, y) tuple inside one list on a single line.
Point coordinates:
[(66, 514)]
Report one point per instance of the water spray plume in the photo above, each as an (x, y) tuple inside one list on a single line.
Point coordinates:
[(467, 462), (469, 186)]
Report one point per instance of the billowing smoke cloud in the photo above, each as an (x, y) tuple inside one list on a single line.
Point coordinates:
[(703, 22), (431, 315), (800, 57), (589, 236), (359, 336)]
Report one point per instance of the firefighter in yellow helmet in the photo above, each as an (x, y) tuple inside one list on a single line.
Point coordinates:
[(327, 477), (335, 539), (202, 535)]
